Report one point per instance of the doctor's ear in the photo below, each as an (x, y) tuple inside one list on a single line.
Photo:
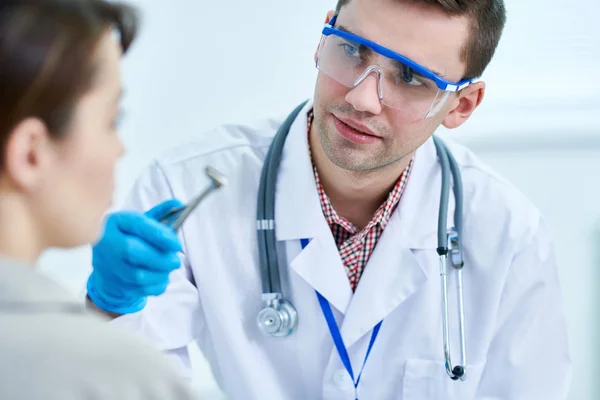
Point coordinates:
[(467, 101), (330, 15), (27, 152)]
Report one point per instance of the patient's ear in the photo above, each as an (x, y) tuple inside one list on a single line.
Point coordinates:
[(27, 153), (468, 100)]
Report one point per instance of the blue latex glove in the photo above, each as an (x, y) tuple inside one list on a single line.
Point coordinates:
[(133, 259)]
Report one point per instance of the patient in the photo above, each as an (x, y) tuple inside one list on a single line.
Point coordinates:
[(59, 108)]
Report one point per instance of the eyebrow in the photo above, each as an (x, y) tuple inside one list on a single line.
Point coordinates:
[(345, 29), (348, 30)]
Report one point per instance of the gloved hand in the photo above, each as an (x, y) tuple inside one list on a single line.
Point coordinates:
[(133, 259)]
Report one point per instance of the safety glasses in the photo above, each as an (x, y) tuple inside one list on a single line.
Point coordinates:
[(402, 84)]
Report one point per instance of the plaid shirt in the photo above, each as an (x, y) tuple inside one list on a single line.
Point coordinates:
[(356, 246)]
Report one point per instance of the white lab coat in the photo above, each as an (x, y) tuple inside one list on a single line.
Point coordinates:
[(516, 333)]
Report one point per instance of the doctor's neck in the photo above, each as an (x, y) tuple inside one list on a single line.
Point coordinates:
[(354, 195), (19, 234)]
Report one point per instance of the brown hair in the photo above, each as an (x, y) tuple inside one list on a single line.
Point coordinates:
[(487, 17), (47, 56)]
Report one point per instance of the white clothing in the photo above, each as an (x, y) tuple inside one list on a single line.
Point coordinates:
[(516, 331)]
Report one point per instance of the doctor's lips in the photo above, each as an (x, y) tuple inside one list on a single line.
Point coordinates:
[(357, 126)]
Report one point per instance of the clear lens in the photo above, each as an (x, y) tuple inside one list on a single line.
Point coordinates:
[(400, 87)]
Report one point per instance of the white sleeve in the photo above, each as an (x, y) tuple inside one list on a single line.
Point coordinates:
[(171, 321), (529, 357)]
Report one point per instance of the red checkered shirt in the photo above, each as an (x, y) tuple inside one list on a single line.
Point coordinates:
[(356, 246)]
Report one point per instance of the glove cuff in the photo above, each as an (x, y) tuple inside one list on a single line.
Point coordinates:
[(107, 306)]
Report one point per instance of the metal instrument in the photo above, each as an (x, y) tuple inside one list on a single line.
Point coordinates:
[(175, 217)]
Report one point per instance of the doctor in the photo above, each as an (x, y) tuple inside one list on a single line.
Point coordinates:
[(356, 215)]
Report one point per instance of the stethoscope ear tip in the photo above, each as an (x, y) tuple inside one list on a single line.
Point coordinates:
[(458, 372)]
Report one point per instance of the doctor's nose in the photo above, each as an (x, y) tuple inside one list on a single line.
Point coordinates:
[(364, 97)]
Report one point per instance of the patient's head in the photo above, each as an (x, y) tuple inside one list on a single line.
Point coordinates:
[(59, 107)]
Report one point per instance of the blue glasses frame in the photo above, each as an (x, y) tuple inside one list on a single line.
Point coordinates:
[(441, 83)]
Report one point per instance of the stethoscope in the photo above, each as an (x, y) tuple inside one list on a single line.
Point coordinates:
[(279, 318)]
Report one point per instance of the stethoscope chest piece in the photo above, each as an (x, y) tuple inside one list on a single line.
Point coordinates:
[(279, 318)]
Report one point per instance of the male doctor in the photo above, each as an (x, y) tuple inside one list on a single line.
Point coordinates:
[(359, 181)]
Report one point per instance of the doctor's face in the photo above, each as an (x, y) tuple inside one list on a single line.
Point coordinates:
[(425, 35)]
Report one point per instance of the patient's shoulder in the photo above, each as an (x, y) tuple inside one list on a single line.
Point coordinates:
[(76, 356)]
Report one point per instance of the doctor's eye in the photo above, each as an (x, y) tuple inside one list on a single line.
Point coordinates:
[(350, 49), (407, 76)]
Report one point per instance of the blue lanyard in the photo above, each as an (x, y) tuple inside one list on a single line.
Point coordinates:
[(337, 336)]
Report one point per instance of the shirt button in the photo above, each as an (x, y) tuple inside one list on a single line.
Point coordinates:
[(341, 379)]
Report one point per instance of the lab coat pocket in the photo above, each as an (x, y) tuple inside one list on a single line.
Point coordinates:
[(427, 380)]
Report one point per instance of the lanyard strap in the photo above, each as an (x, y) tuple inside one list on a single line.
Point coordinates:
[(337, 336)]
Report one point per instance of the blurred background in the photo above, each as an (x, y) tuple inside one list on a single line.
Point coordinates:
[(199, 64)]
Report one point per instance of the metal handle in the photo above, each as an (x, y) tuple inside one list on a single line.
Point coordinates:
[(216, 180)]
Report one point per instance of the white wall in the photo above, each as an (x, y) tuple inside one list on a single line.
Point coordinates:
[(198, 64)]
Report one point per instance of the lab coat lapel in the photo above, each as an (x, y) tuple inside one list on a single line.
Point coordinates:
[(393, 273), (298, 215), (320, 265), (391, 276)]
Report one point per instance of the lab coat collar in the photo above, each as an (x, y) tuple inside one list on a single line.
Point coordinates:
[(418, 209), (22, 287), (298, 213)]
